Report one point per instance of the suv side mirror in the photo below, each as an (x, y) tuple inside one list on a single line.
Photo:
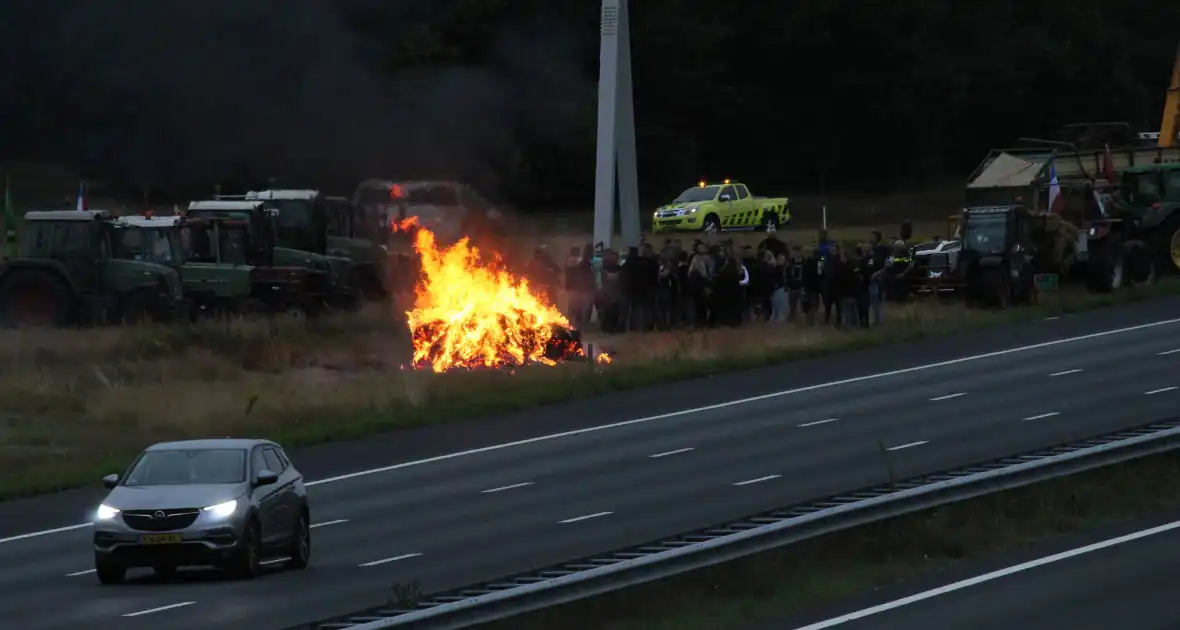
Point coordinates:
[(265, 478), (725, 198), (110, 481)]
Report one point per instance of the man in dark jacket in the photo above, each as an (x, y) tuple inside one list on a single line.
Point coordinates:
[(812, 286)]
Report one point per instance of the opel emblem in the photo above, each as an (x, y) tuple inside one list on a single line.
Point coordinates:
[(159, 515)]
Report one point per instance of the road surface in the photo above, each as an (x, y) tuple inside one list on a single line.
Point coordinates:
[(451, 505), (1126, 582)]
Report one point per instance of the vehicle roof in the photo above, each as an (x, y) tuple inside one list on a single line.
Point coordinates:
[(1147, 168), (231, 443), (67, 215), (224, 204), (291, 193), (139, 220)]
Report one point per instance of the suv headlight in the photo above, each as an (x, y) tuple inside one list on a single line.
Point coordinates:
[(105, 513), (222, 510)]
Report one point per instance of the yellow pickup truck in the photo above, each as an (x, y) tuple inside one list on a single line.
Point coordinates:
[(716, 207)]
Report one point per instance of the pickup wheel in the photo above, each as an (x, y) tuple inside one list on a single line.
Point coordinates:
[(712, 223), (769, 220)]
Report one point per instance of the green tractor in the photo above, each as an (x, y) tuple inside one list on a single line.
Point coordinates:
[(66, 275), (354, 236), (218, 279), (245, 233), (301, 229), (1149, 195)]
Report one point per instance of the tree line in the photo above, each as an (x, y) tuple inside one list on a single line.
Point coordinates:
[(863, 94)]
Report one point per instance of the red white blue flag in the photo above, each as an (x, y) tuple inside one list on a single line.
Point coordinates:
[(1055, 200)]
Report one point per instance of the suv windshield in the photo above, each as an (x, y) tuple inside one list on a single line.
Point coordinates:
[(188, 466), (985, 233), (156, 245), (697, 193)]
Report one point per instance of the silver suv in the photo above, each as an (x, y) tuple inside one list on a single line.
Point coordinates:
[(223, 503)]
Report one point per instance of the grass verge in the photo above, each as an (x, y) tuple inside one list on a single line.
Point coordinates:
[(808, 575), (79, 404)]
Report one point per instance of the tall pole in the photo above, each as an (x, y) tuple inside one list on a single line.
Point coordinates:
[(615, 170)]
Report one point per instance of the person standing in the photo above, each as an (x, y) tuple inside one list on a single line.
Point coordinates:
[(812, 286), (848, 287), (779, 301)]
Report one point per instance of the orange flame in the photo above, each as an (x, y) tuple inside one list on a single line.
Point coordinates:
[(404, 226), (470, 313)]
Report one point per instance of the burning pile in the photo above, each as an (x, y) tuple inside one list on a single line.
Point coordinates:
[(469, 313)]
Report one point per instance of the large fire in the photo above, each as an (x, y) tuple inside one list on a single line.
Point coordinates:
[(469, 312)]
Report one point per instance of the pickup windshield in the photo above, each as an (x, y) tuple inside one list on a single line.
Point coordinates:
[(985, 234), (698, 193)]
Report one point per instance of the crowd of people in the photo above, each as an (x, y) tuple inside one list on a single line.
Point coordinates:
[(712, 284)]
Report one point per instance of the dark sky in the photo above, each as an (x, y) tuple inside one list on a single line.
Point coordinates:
[(180, 92)]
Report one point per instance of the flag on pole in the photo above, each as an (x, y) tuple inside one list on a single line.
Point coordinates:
[(1055, 200), (1108, 167), (83, 205), (9, 220)]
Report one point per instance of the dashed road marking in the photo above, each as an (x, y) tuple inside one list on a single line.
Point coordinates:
[(1159, 391), (327, 523), (758, 480), (374, 563), (671, 453), (160, 609), (77, 573), (1065, 372), (816, 423), (1167, 352), (1043, 415), (587, 517), (910, 445), (514, 486), (948, 396)]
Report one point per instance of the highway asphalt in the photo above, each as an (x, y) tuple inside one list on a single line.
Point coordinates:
[(693, 454), (1126, 582)]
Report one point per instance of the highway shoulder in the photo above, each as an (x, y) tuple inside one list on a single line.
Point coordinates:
[(892, 593)]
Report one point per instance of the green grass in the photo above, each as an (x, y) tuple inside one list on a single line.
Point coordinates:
[(80, 404), (826, 570)]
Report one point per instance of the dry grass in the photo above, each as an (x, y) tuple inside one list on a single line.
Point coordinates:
[(79, 402)]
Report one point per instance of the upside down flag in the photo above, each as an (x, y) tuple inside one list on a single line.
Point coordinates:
[(1055, 200)]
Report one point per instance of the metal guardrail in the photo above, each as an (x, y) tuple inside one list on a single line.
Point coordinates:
[(566, 582)]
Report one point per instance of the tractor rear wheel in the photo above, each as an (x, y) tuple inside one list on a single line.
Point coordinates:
[(35, 297)]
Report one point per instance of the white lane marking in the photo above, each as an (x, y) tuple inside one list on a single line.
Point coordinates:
[(816, 423), (160, 609), (988, 577), (1049, 319), (77, 573), (267, 563), (1065, 372), (758, 480), (584, 518), (671, 453), (1159, 391), (910, 445), (1167, 352), (948, 397), (1043, 415), (686, 412), (388, 560), (503, 488), (327, 523)]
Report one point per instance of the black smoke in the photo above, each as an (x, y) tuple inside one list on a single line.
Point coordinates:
[(172, 93)]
